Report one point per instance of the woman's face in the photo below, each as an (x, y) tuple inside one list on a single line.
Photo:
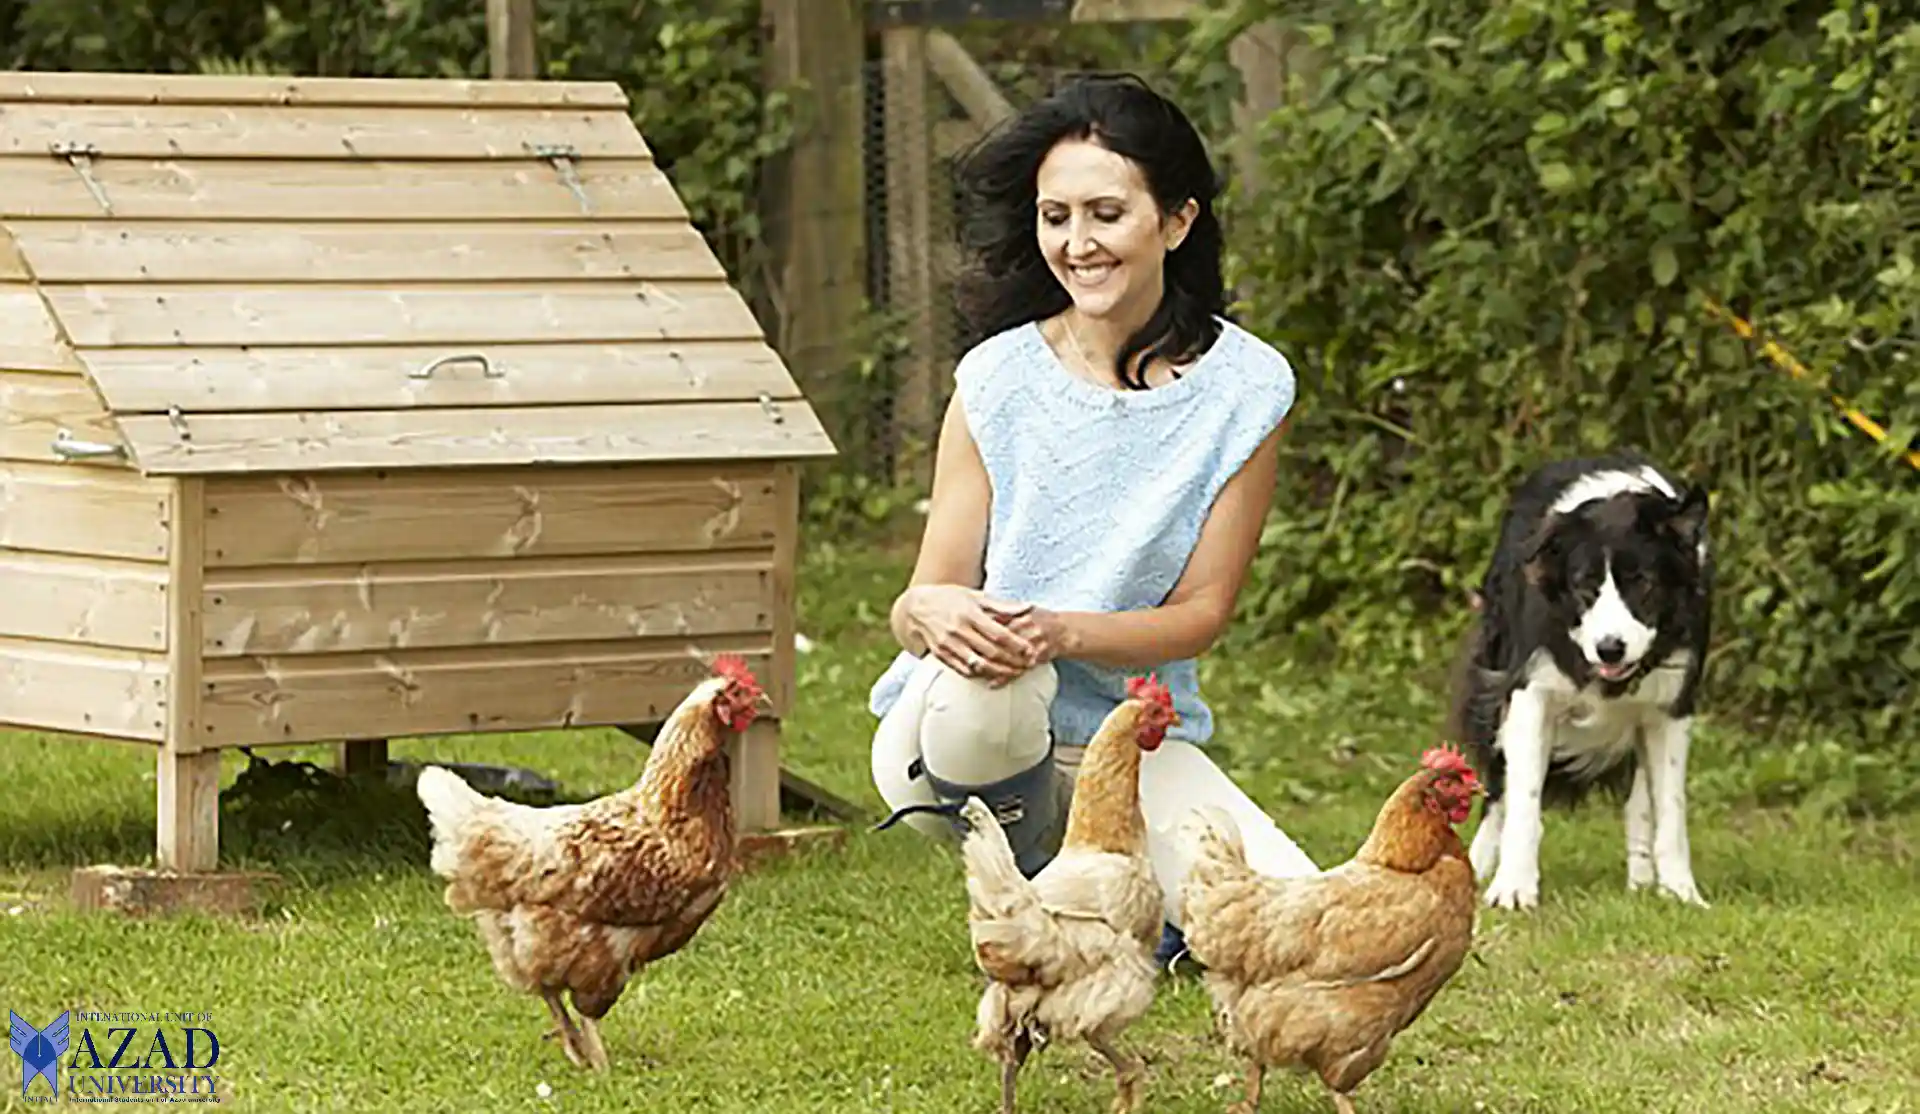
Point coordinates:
[(1100, 230)]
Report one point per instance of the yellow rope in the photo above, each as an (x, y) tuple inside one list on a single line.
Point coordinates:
[(1783, 359)]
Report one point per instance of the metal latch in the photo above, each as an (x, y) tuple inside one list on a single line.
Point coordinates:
[(80, 156), (563, 156), (770, 410), (66, 447)]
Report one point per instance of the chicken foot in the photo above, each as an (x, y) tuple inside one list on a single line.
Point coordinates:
[(1127, 1075), (1010, 1066), (1256, 1075), (1342, 1104), (596, 1052), (570, 1038)]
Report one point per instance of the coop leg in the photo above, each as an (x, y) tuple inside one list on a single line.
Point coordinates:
[(361, 756), (756, 777), (188, 838)]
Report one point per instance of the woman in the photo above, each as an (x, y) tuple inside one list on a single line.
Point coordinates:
[(1102, 476)]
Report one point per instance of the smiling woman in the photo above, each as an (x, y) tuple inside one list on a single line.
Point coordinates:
[(1100, 483)]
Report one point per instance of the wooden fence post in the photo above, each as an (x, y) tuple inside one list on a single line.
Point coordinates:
[(511, 53), (814, 195)]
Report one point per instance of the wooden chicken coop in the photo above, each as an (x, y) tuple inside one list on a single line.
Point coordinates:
[(360, 409)]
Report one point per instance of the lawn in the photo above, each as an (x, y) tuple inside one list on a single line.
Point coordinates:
[(842, 981)]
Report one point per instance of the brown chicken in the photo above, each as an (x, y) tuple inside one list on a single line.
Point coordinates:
[(577, 898), (1321, 972), (1069, 954)]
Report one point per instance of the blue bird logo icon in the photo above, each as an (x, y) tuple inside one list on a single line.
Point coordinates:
[(39, 1049)]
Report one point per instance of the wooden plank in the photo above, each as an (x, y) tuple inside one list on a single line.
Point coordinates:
[(59, 508), (29, 338), (13, 265), (253, 379), (92, 601), (1133, 11), (972, 88), (200, 315), (89, 690), (360, 92), (368, 191), (512, 48), (187, 785), (341, 608), (268, 252), (163, 131), (428, 692), (447, 437), (34, 406), (424, 516)]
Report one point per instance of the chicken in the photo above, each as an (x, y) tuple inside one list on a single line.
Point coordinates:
[(577, 898), (1321, 972), (1068, 955)]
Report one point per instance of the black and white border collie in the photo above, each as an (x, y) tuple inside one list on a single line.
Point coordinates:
[(1585, 665)]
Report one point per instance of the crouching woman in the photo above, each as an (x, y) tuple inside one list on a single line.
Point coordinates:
[(1100, 483)]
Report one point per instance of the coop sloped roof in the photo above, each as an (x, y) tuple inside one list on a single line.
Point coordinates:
[(271, 274)]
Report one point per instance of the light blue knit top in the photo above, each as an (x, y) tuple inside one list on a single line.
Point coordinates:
[(1099, 494)]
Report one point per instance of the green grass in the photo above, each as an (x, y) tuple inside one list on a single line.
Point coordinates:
[(842, 982)]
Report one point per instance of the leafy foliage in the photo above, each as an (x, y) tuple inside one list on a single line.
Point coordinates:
[(1485, 236)]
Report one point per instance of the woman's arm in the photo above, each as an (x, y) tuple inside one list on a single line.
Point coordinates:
[(953, 546), (952, 556), (1202, 603)]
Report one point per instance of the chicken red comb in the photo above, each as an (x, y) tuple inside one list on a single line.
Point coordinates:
[(1446, 759), (734, 668), (1150, 689)]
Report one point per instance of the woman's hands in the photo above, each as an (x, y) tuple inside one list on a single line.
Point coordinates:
[(1045, 632), (973, 632)]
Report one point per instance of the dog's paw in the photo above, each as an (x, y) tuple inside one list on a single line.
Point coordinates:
[(1508, 892), (1639, 873)]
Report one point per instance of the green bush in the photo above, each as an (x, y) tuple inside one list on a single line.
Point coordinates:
[(1484, 237)]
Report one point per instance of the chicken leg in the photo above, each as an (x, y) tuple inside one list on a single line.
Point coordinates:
[(570, 1038), (1256, 1075), (590, 1045), (1342, 1104), (1010, 1070), (1126, 1075)]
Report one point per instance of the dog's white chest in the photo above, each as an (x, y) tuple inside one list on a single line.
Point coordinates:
[(1586, 730)]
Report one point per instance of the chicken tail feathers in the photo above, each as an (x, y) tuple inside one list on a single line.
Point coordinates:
[(450, 804), (1219, 852), (1013, 935)]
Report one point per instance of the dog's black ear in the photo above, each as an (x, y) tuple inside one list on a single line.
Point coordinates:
[(1688, 519), (1538, 548)]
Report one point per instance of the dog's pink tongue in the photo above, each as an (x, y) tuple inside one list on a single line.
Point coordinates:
[(1612, 672)]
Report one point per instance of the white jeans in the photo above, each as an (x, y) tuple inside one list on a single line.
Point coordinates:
[(975, 734)]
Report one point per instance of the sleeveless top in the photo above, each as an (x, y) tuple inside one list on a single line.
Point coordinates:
[(1098, 495)]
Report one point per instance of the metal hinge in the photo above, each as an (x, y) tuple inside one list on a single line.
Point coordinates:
[(80, 156), (563, 156)]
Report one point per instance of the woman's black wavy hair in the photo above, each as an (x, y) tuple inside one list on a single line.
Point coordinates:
[(1007, 282)]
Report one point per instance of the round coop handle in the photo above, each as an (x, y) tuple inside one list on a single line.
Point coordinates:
[(67, 447), (486, 365)]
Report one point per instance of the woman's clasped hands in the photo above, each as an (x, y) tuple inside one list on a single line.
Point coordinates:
[(980, 635)]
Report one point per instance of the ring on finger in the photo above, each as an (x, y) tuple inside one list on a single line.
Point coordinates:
[(973, 664)]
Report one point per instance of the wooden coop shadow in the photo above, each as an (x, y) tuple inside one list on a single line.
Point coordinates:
[(354, 409)]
